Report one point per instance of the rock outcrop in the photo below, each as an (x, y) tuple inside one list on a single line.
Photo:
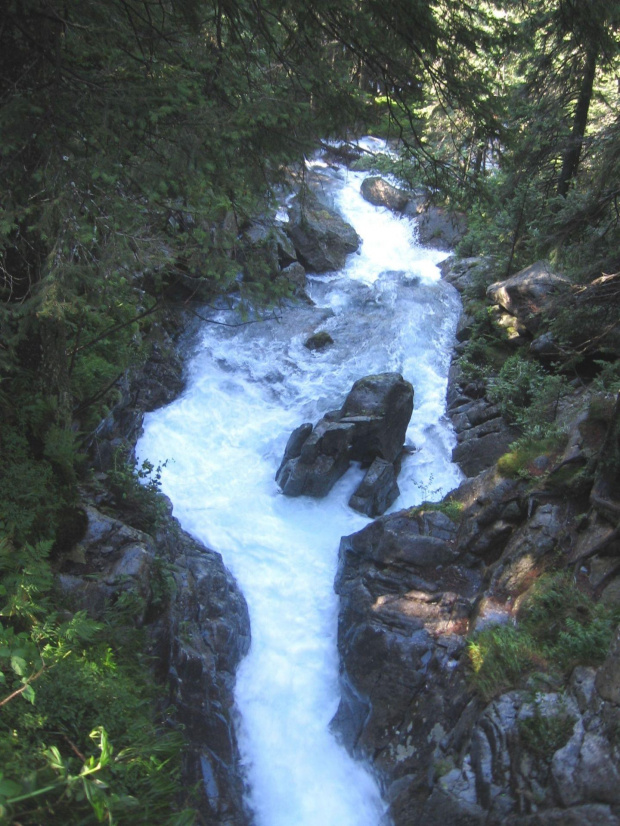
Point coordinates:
[(268, 248), (482, 433), (198, 630), (437, 227), (529, 293), (369, 428), (322, 239), (414, 585), (194, 614), (406, 600)]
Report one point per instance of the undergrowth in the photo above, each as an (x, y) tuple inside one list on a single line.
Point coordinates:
[(558, 627)]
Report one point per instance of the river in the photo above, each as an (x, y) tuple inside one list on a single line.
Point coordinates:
[(249, 387)]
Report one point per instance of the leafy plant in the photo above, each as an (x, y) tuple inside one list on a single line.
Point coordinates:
[(137, 490), (453, 510), (520, 460), (500, 656)]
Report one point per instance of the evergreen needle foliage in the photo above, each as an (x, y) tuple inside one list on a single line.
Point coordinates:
[(138, 139)]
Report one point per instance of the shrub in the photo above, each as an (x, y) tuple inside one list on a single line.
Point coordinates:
[(527, 394), (559, 627), (520, 459), (543, 734), (136, 490), (499, 658)]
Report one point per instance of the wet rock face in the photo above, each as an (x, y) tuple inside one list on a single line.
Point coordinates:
[(377, 491), (197, 639), (208, 633), (370, 428), (157, 383), (406, 600), (199, 632), (411, 586)]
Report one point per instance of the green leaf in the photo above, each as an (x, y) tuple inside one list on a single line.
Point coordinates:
[(19, 665), (8, 788)]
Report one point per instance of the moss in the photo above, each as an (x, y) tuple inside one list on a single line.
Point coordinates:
[(558, 628), (453, 510), (543, 735), (521, 460)]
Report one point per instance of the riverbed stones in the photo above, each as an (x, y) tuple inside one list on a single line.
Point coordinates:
[(369, 428), (319, 340)]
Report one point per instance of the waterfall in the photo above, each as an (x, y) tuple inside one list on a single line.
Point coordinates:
[(223, 439)]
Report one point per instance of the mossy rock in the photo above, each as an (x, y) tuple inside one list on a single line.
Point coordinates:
[(319, 340)]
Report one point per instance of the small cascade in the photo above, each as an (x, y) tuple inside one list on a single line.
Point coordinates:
[(223, 439)]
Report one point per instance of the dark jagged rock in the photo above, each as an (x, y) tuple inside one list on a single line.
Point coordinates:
[(379, 192), (208, 629), (482, 433), (322, 239), (465, 274), (322, 459), (437, 227), (197, 639), (380, 407), (405, 604), (342, 153), (412, 586), (371, 425), (157, 383), (377, 491)]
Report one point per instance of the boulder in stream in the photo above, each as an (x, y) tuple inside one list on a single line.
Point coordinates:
[(369, 428), (378, 489), (322, 239), (378, 191)]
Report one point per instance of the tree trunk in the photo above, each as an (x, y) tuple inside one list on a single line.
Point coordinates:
[(570, 161)]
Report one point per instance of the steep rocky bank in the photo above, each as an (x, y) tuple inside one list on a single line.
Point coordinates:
[(130, 548), (534, 742), (415, 586)]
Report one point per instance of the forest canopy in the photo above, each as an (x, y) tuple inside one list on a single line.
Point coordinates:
[(138, 138)]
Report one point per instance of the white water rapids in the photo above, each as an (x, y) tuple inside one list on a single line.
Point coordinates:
[(248, 388)]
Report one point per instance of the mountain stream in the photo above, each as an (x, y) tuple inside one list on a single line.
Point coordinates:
[(249, 387)]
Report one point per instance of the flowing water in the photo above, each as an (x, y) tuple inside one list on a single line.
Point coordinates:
[(251, 385)]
